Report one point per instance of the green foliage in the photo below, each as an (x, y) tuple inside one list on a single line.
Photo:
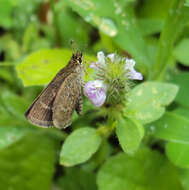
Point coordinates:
[(12, 104), (130, 134), (116, 149), (79, 146), (184, 176), (5, 13), (182, 81), (182, 111), (171, 127), (178, 154), (114, 22), (77, 178), (159, 9), (177, 18), (10, 135), (147, 100), (134, 172), (21, 168), (181, 52)]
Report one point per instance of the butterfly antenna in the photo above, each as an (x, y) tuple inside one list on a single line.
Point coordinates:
[(73, 47)]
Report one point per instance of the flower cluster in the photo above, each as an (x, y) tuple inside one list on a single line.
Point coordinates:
[(113, 75)]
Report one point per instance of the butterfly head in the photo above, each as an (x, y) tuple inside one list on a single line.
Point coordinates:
[(77, 58)]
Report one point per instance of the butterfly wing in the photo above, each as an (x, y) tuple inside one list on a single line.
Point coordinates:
[(67, 98), (40, 112)]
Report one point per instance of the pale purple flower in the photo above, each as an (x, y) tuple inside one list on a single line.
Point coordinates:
[(131, 73), (129, 65), (95, 91)]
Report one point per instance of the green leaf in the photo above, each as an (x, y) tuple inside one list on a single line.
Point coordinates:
[(30, 38), (6, 75), (182, 80), (184, 178), (8, 120), (14, 104), (171, 127), (44, 64), (130, 133), (178, 153), (181, 51), (5, 13), (79, 146), (154, 9), (28, 164), (77, 178), (182, 112), (12, 49), (9, 135), (150, 26), (147, 101), (177, 18), (146, 170)]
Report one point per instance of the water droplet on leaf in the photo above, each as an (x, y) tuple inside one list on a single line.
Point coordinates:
[(87, 18), (107, 26)]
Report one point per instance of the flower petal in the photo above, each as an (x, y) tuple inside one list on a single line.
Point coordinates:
[(129, 64), (94, 65), (131, 73), (99, 99), (134, 75), (111, 56), (95, 91), (101, 57)]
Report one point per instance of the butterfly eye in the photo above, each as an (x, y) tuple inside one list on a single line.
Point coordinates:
[(79, 60)]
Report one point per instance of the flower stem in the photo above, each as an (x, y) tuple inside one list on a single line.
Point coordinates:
[(107, 129)]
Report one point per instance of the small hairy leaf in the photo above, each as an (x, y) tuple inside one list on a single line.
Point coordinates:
[(79, 146), (147, 100), (130, 133)]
